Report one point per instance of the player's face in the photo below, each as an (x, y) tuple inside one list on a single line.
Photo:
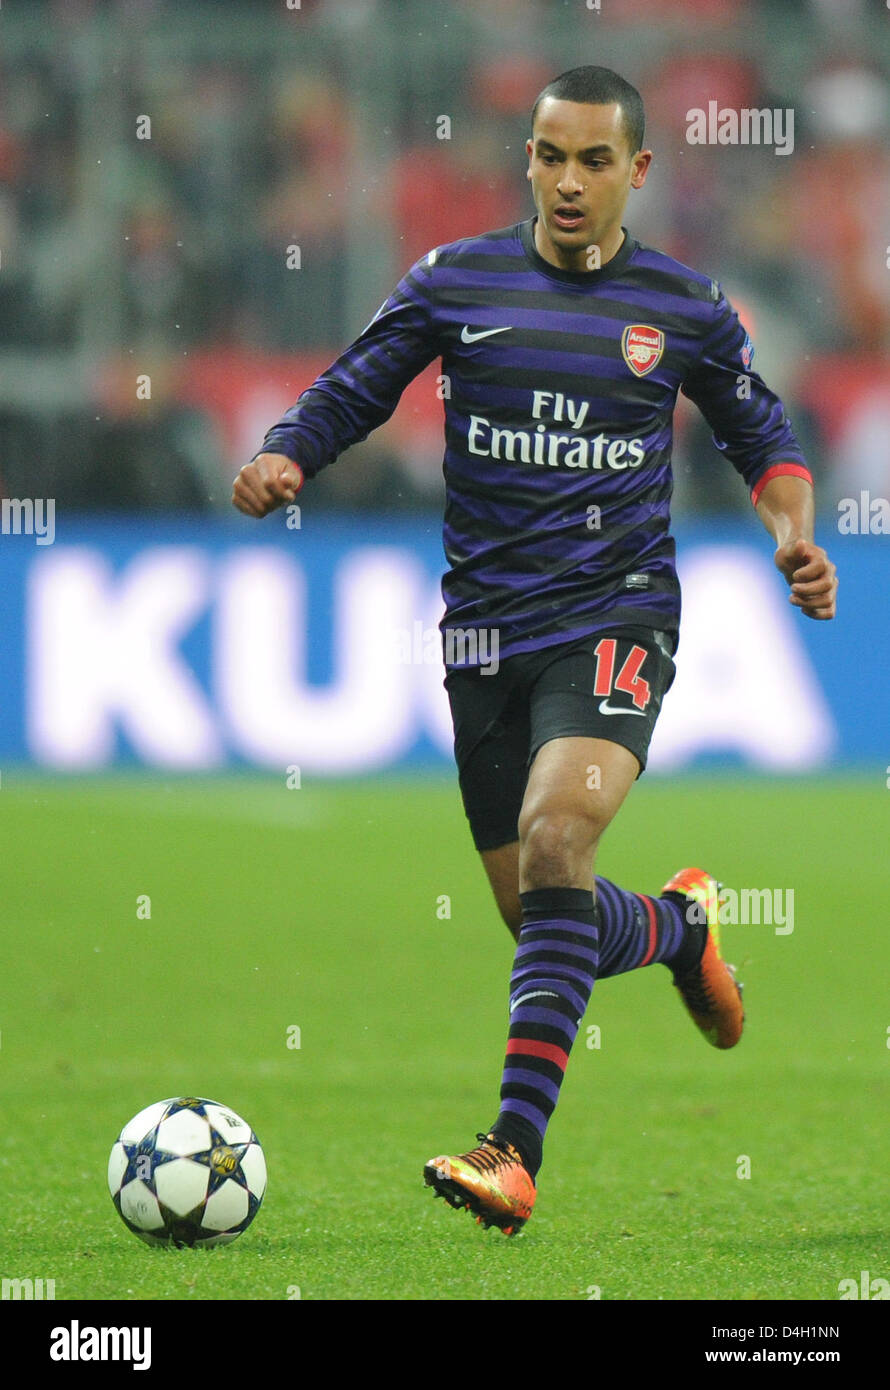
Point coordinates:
[(581, 172)]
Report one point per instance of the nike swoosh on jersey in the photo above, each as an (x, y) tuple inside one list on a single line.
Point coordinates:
[(468, 336), (605, 708)]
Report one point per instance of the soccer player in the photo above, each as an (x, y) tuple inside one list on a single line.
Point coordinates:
[(564, 343)]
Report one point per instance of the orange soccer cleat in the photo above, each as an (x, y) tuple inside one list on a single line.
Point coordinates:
[(490, 1181), (710, 992)]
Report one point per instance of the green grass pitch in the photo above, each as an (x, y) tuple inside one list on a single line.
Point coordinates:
[(317, 907)]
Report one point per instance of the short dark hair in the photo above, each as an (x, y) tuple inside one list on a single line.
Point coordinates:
[(600, 87)]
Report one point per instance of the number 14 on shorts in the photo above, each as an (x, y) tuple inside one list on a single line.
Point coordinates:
[(628, 679)]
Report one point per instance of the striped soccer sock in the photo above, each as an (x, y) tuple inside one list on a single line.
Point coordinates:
[(636, 930), (554, 970)]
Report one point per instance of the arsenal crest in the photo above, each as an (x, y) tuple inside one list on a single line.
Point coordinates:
[(642, 347)]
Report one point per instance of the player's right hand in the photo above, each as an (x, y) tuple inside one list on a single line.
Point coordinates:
[(270, 481)]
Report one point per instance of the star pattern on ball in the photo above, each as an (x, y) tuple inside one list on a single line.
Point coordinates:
[(144, 1158), (216, 1159)]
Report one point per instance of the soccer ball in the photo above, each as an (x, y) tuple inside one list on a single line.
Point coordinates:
[(187, 1172)]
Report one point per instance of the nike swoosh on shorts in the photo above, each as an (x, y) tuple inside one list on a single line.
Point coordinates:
[(605, 708)]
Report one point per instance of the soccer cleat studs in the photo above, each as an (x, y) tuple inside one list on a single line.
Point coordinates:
[(490, 1182)]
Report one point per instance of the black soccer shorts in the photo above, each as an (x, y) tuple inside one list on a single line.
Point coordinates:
[(609, 685)]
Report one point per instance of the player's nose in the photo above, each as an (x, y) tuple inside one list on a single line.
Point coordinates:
[(570, 182)]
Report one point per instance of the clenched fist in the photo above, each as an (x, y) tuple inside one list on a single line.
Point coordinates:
[(269, 482), (812, 577)]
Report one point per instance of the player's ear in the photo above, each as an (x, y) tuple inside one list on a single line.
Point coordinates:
[(641, 161)]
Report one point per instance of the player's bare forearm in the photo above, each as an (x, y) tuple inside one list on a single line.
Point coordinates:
[(785, 506)]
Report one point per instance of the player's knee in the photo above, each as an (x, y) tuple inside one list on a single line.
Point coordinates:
[(556, 848), (544, 822)]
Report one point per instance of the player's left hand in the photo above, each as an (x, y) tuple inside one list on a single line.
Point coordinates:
[(812, 577)]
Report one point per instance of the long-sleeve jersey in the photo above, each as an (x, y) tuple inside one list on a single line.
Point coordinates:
[(559, 389)]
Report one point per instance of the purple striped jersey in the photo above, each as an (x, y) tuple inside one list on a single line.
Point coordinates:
[(559, 389)]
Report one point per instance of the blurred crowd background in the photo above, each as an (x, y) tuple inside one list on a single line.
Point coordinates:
[(316, 127)]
